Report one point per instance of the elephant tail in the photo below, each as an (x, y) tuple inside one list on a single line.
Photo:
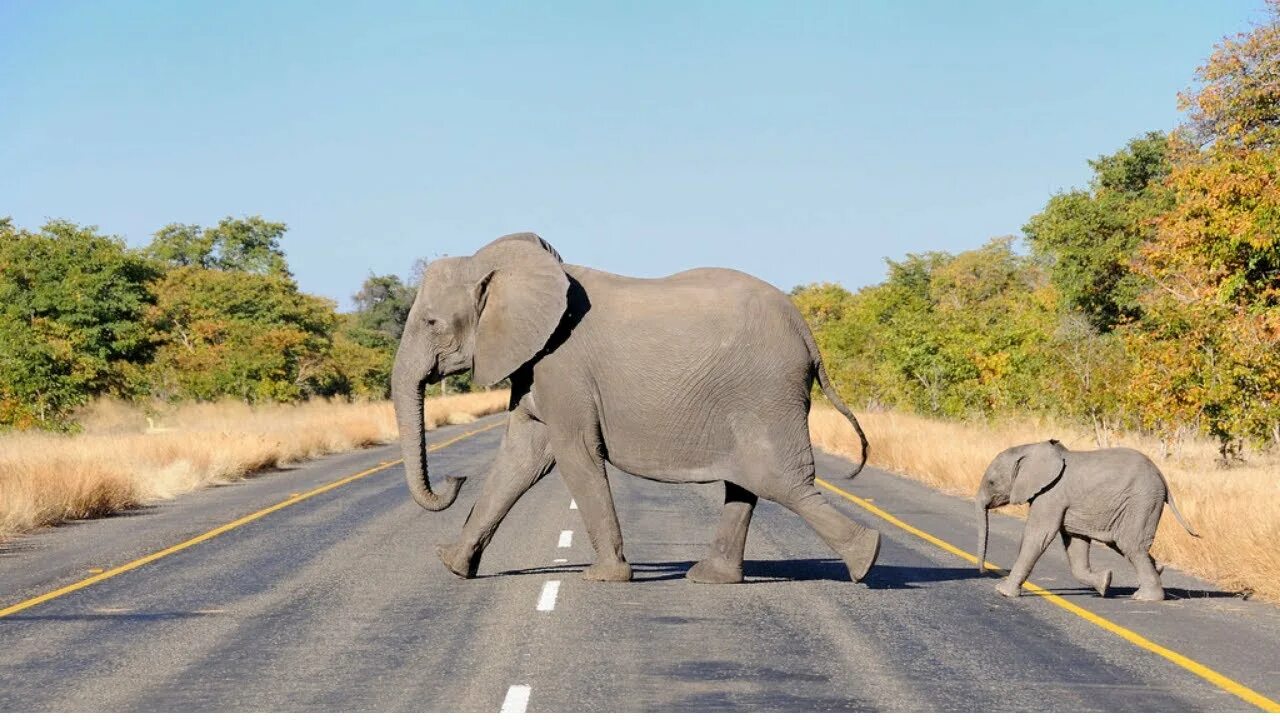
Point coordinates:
[(1168, 498), (830, 392), (835, 400)]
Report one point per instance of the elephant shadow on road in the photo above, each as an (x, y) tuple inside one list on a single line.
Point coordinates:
[(882, 577), (1125, 592)]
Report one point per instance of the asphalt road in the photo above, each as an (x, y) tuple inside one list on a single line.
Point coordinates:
[(337, 602)]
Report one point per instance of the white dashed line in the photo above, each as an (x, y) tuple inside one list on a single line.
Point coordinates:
[(517, 699), (560, 560), (573, 504), (547, 600), (566, 538)]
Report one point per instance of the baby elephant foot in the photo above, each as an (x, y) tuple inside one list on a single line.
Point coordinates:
[(715, 571), (458, 560), (1101, 582), (1008, 589), (1149, 594), (860, 553), (613, 571)]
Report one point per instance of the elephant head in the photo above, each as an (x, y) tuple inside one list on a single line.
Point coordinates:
[(1016, 476), (490, 313)]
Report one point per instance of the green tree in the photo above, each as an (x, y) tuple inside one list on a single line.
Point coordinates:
[(382, 304), (72, 321), (359, 363), (953, 335), (1090, 237), (249, 245), (240, 334)]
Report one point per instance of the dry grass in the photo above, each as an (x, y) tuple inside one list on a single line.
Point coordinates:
[(124, 460), (1236, 510)]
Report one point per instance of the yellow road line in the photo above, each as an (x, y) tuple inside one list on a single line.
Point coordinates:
[(1214, 677), (294, 499)]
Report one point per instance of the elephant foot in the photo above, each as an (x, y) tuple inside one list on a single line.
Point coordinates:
[(458, 560), (715, 571), (1148, 594), (1102, 583), (613, 571), (860, 553), (1008, 589)]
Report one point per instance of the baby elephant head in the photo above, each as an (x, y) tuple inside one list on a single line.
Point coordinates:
[(1016, 476)]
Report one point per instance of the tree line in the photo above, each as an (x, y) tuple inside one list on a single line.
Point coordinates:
[(199, 314), (1148, 300)]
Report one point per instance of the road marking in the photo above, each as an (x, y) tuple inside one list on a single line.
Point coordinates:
[(573, 504), (547, 600), (566, 538), (1212, 676), (562, 560), (209, 535), (517, 699)]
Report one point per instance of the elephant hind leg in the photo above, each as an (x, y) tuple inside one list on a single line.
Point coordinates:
[(1149, 586), (723, 564), (857, 545), (1078, 554)]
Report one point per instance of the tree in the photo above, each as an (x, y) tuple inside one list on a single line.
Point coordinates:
[(240, 334), (1237, 103), (383, 304), (359, 363), (249, 245), (953, 335), (1209, 343), (72, 308), (1090, 237)]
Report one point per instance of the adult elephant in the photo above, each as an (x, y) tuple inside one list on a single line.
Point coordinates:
[(698, 377)]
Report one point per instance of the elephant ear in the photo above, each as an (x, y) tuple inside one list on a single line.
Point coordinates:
[(1042, 464), (521, 295)]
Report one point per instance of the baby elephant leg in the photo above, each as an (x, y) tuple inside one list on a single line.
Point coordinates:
[(1042, 524), (1149, 585), (1078, 554)]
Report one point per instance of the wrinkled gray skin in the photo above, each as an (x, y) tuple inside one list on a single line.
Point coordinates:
[(702, 376), (1114, 496)]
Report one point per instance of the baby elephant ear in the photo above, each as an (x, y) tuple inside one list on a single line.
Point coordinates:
[(1042, 464), (521, 294)]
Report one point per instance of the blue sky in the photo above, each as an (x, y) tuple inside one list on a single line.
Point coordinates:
[(796, 141)]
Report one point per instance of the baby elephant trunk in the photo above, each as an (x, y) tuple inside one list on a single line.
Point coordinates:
[(980, 503)]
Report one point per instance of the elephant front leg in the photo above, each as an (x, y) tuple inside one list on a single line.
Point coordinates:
[(522, 460), (1043, 523), (724, 564), (582, 467), (1078, 554)]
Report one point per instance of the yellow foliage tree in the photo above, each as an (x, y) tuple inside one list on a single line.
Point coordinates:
[(1208, 347)]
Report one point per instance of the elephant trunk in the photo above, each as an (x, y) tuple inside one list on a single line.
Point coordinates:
[(981, 503), (408, 382)]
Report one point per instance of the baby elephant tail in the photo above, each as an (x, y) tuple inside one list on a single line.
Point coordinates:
[(1168, 498)]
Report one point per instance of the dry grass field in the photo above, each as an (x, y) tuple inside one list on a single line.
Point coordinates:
[(1236, 510), (124, 460)]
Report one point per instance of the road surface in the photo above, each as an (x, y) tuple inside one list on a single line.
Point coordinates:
[(333, 599)]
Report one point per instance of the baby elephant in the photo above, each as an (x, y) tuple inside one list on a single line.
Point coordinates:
[(1113, 495)]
